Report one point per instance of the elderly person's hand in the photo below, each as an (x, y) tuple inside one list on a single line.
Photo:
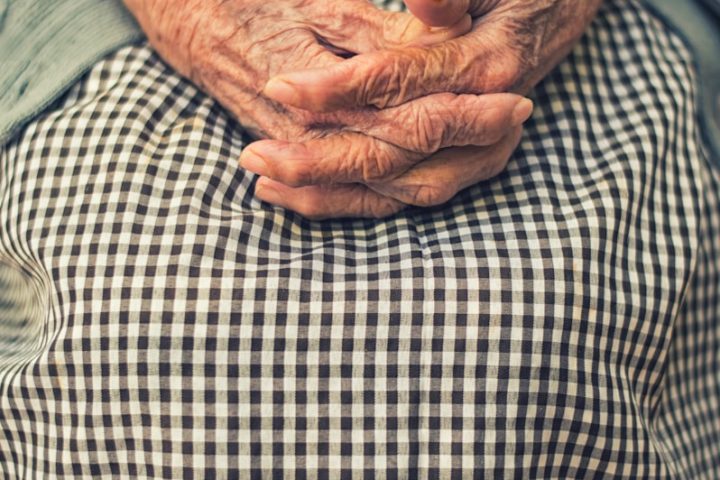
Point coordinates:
[(511, 46), (231, 49)]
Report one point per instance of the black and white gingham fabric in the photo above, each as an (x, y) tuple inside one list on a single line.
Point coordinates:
[(560, 321)]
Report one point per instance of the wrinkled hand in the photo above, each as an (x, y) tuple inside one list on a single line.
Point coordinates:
[(512, 45), (231, 48), (324, 179)]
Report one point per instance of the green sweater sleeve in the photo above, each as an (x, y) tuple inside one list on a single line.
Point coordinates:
[(47, 44)]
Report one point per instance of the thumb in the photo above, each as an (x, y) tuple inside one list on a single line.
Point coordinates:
[(438, 13), (404, 29), (372, 28)]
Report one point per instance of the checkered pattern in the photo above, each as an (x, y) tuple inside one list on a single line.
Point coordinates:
[(558, 321)]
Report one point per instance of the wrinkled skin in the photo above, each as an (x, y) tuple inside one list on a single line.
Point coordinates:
[(232, 47), (333, 153), (421, 152), (512, 45)]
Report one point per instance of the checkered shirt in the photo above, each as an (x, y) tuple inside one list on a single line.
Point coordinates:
[(559, 321)]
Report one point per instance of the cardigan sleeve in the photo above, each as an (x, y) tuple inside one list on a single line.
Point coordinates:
[(45, 45)]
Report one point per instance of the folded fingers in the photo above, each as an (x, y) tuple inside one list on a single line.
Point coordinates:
[(431, 182), (439, 178), (483, 61), (319, 202), (390, 142)]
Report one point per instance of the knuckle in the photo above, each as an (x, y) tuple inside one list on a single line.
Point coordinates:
[(505, 65), (447, 58), (493, 68), (502, 75), (387, 83), (427, 134), (298, 175), (484, 127), (312, 210), (376, 163), (410, 73), (376, 206), (482, 121), (429, 194), (364, 85)]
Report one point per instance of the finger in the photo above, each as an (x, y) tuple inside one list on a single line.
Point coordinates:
[(461, 167), (328, 201), (483, 61), (439, 178), (447, 120), (384, 78), (438, 13), (343, 158), (386, 149), (366, 28)]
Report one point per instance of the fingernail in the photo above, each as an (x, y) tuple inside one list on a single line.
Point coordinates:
[(250, 160), (281, 91), (267, 193), (522, 111)]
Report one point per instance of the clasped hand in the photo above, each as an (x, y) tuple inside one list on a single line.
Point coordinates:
[(360, 111)]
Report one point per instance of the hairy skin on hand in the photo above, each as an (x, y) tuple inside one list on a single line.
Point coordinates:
[(374, 158)]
